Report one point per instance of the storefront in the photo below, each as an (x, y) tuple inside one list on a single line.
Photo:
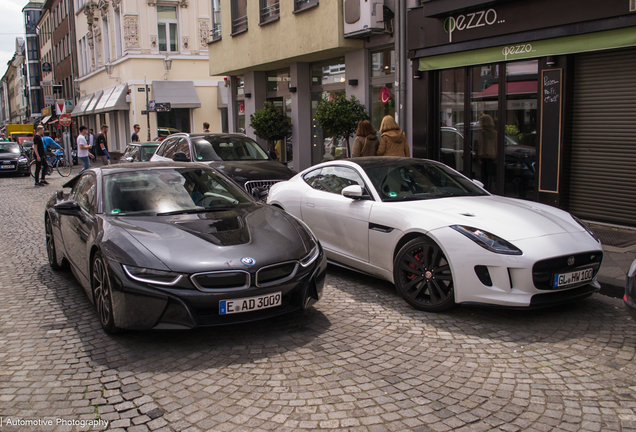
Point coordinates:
[(535, 99)]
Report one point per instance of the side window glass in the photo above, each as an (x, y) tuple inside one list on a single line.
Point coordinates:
[(170, 149), (183, 146), (312, 178), (335, 179), (86, 194)]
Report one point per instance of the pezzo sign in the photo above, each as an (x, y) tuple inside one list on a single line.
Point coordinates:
[(516, 49), (470, 21)]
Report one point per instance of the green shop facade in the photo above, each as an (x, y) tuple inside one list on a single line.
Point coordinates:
[(535, 98)]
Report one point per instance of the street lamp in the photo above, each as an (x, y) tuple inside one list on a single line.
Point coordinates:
[(167, 65), (109, 71)]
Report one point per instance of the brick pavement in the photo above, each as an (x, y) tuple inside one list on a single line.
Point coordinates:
[(361, 360)]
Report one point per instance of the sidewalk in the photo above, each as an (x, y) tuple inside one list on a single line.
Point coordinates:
[(616, 260)]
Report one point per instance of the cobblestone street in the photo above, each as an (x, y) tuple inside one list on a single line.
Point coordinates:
[(360, 360)]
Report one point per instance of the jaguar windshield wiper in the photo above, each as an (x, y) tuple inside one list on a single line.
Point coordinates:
[(192, 211)]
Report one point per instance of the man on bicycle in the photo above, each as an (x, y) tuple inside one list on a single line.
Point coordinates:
[(49, 145)]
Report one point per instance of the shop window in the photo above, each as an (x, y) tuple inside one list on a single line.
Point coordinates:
[(451, 114), (278, 81), (177, 118), (301, 5), (215, 33), (270, 10), (332, 72), (484, 103), (383, 63), (167, 28), (239, 16)]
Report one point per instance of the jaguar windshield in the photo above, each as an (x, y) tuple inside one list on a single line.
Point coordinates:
[(419, 181)]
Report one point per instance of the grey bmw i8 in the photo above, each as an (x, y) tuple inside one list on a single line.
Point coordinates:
[(173, 245)]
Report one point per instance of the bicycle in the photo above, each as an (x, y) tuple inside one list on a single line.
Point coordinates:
[(63, 167)]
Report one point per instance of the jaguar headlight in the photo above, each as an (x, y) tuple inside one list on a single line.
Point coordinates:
[(488, 241), (151, 276), (585, 227)]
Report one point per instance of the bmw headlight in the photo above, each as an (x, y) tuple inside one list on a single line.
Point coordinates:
[(310, 241), (585, 227), (157, 277), (488, 241)]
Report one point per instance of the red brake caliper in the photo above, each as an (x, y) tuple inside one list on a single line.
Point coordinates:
[(420, 257)]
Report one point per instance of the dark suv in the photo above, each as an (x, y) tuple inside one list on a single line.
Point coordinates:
[(236, 155)]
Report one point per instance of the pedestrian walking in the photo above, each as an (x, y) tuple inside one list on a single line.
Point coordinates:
[(101, 146), (83, 147), (393, 140), (366, 142), (206, 127), (135, 136), (40, 158)]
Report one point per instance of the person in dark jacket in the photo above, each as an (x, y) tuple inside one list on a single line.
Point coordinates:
[(393, 140), (40, 157), (366, 142)]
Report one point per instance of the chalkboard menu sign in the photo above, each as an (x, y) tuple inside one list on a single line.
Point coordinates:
[(550, 143)]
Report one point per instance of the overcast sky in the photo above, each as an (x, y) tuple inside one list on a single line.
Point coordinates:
[(11, 27)]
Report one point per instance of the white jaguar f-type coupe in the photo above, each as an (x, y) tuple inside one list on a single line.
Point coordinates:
[(440, 237)]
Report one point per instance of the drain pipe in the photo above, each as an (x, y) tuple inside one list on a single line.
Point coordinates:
[(401, 64)]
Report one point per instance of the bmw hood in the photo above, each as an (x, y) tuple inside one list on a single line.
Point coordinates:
[(243, 171), (218, 240), (511, 219)]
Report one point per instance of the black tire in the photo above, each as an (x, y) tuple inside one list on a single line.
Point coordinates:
[(423, 276), (102, 293), (50, 245), (32, 168), (64, 168)]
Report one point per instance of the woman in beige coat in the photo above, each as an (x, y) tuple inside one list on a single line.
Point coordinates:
[(366, 142), (393, 140)]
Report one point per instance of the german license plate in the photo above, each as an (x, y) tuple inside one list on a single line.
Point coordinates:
[(565, 279), (6, 166), (249, 304)]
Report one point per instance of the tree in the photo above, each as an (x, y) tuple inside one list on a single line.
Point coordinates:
[(339, 116), (270, 124)]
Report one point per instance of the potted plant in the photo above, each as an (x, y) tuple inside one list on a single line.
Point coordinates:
[(271, 124), (339, 116)]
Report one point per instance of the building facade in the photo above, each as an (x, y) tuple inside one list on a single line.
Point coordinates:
[(134, 54), (32, 12), (535, 98), (15, 83), (294, 54)]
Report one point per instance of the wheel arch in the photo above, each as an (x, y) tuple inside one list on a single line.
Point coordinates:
[(407, 238)]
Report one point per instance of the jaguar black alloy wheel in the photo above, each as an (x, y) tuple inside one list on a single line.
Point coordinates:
[(50, 245), (102, 293), (423, 276)]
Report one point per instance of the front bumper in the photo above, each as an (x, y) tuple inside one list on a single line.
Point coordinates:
[(141, 306), (516, 281)]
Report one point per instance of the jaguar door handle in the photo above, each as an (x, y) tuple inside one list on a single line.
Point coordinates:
[(310, 205)]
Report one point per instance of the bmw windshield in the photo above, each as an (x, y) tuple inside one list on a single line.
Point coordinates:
[(420, 181), (168, 191), (227, 148)]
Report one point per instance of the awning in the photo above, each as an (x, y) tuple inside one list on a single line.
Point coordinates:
[(180, 94), (90, 109), (81, 106), (117, 99), (45, 119), (99, 107), (512, 88)]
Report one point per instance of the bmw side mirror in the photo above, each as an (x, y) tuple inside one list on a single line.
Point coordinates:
[(68, 208), (180, 157), (353, 192), (260, 193)]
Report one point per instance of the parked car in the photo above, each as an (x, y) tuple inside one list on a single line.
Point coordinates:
[(164, 132), (440, 237), (179, 245), (630, 291), (13, 159), (139, 152), (236, 155)]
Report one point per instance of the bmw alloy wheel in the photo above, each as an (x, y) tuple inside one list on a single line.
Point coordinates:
[(102, 293)]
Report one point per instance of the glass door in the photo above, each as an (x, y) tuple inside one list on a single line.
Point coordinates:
[(283, 148)]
